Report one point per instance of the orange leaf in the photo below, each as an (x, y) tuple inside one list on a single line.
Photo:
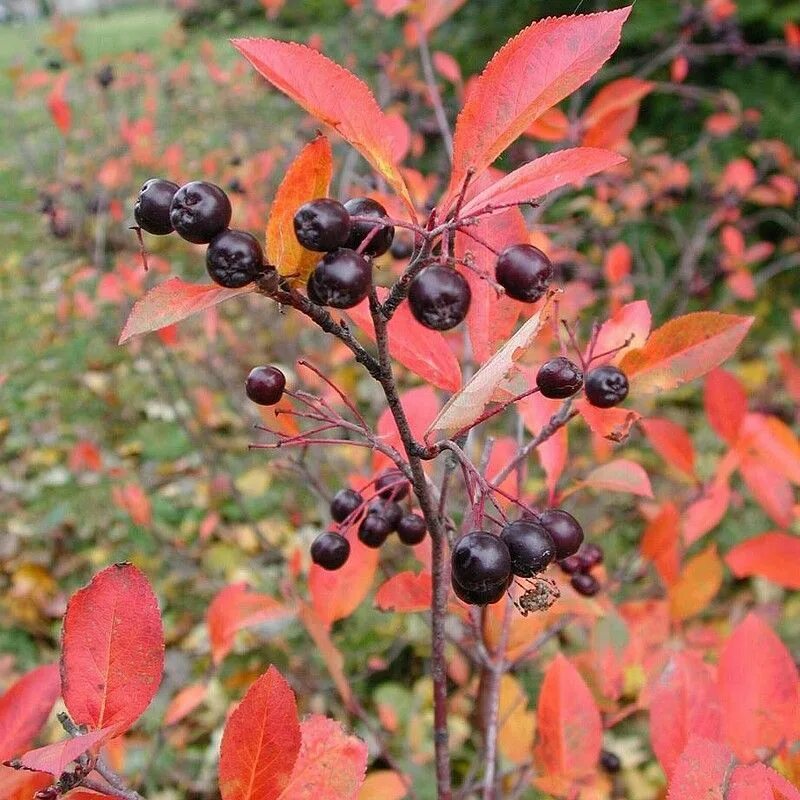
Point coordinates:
[(319, 632), (775, 443), (620, 475), (131, 498), (629, 323), (615, 96), (58, 106), (551, 126), (307, 178), (517, 723), (773, 555), (535, 70), (759, 689), (772, 490), (660, 543), (334, 96), (697, 585), (382, 784), (702, 771), (671, 442), (684, 349), (405, 592), (613, 424), (186, 701), (725, 402)]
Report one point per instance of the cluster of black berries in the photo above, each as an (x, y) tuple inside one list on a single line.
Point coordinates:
[(579, 566), (483, 565), (376, 519), (200, 212), (560, 378)]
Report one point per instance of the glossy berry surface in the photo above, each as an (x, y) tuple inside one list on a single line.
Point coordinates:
[(234, 259), (392, 484), (481, 562), (590, 556), (411, 529), (366, 207), (479, 597), (374, 530), (585, 584), (330, 550), (265, 385), (559, 378), (151, 210), (439, 297), (610, 762), (530, 546), (322, 225), (200, 211), (402, 247), (571, 564), (606, 386), (390, 511), (341, 280), (311, 290), (524, 271), (565, 531), (344, 503)]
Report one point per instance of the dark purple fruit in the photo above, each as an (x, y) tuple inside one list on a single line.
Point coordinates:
[(234, 259), (390, 511), (585, 584), (524, 271), (392, 484), (345, 502), (330, 550), (365, 207), (322, 225), (439, 297), (564, 529), (311, 291), (571, 564), (105, 76), (265, 385), (610, 762), (481, 562), (402, 247), (606, 386), (411, 529), (559, 378), (151, 210), (200, 211), (590, 555), (478, 597), (530, 547), (341, 280), (373, 530)]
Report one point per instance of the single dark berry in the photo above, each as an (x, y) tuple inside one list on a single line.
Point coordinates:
[(606, 386), (344, 503), (311, 290), (391, 483), (439, 297), (54, 65), (366, 207), (200, 211), (151, 210), (479, 597), (105, 76), (571, 564), (564, 529), (373, 530), (481, 562), (342, 279), (590, 555), (524, 271), (236, 186), (265, 385), (610, 762), (322, 225), (330, 550), (411, 529), (530, 546), (559, 378), (585, 584), (234, 259), (390, 511), (402, 247)]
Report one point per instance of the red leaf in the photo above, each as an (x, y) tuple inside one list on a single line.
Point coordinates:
[(405, 593), (173, 301), (85, 455), (772, 490), (132, 499), (333, 95), (112, 649), (773, 555), (775, 443), (538, 177), (610, 423), (631, 324), (671, 442), (702, 771), (660, 543), (705, 513), (25, 707), (759, 689), (186, 701), (55, 758), (684, 349), (726, 404), (620, 475), (683, 703), (234, 608), (536, 411), (568, 721), (535, 70), (18, 784), (58, 106), (319, 632), (759, 782), (261, 742), (697, 584), (425, 352), (421, 405), (612, 114)]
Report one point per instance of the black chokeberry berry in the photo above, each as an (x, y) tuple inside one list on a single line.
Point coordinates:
[(524, 271), (234, 259), (322, 225), (311, 290), (590, 556), (200, 211), (610, 762), (606, 386), (373, 530), (392, 484), (105, 76), (481, 562), (565, 531), (341, 280), (330, 550), (344, 503), (402, 247), (479, 597), (151, 210), (265, 385), (530, 546), (411, 529), (366, 207), (439, 297), (390, 511), (559, 378), (585, 584), (571, 564)]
